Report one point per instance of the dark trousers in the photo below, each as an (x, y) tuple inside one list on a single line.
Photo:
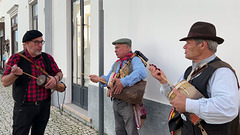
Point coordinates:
[(124, 118), (32, 115)]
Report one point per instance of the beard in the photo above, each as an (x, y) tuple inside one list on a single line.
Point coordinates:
[(34, 53)]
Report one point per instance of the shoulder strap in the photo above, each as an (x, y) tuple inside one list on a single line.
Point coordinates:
[(47, 62), (219, 63), (125, 65), (128, 61), (39, 68)]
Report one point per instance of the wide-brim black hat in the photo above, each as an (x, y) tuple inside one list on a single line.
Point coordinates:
[(203, 30)]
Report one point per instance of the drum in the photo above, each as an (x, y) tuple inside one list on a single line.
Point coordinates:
[(186, 89), (43, 79)]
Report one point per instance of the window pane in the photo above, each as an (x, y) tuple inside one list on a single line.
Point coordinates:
[(76, 43), (35, 9), (16, 20), (35, 24), (35, 16), (87, 41), (13, 21), (81, 57), (15, 41)]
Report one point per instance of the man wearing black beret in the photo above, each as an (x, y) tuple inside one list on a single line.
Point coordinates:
[(32, 102)]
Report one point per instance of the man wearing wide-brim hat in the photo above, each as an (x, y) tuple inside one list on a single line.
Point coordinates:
[(216, 81)]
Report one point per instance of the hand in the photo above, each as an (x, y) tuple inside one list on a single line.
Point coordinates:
[(118, 87), (51, 83), (94, 78), (157, 73), (17, 71), (179, 102)]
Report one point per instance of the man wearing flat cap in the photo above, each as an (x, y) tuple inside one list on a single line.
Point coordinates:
[(125, 123), (32, 102), (215, 81)]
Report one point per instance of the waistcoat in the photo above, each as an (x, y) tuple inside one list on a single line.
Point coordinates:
[(200, 82), (20, 86), (127, 70)]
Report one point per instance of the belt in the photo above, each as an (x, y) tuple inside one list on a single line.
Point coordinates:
[(36, 102)]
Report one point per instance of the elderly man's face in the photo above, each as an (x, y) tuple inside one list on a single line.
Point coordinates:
[(34, 46), (192, 50), (121, 50)]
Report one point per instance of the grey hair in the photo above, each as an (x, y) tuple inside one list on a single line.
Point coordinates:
[(212, 45)]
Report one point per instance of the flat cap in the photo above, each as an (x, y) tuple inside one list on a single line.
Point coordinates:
[(31, 34), (123, 41)]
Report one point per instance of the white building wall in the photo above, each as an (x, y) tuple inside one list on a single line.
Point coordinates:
[(61, 37), (23, 21), (155, 28)]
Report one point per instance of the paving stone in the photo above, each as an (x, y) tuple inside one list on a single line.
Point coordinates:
[(58, 124)]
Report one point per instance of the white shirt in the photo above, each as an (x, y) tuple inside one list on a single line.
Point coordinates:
[(222, 106)]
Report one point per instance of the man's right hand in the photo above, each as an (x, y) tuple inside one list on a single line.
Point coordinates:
[(9, 79), (94, 78), (15, 70), (157, 74)]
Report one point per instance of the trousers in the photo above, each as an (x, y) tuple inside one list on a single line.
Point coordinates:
[(125, 123), (32, 115)]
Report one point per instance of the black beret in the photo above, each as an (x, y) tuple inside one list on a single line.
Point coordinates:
[(123, 41), (31, 34)]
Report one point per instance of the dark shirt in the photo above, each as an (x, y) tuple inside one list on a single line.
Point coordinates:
[(35, 92)]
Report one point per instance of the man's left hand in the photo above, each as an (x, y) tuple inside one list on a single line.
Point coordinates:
[(51, 83), (118, 87), (179, 102)]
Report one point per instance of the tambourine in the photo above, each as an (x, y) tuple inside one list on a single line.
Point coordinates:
[(43, 79)]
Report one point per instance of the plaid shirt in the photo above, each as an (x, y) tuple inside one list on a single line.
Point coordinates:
[(35, 92)]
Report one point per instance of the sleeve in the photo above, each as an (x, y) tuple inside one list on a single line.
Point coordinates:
[(54, 66), (139, 73), (165, 88), (106, 77), (223, 105), (14, 59)]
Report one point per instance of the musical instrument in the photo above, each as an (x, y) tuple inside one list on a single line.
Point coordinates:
[(189, 91), (186, 89), (43, 79), (133, 94)]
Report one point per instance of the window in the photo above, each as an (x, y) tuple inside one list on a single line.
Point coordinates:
[(35, 16), (14, 28), (81, 51)]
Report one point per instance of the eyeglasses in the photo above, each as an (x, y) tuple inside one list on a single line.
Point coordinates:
[(36, 42)]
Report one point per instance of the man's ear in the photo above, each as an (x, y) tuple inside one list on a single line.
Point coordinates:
[(204, 44)]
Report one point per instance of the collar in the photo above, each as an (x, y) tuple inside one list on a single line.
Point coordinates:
[(126, 57), (30, 57), (203, 62)]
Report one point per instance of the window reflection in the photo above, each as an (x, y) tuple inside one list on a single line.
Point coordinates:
[(81, 59)]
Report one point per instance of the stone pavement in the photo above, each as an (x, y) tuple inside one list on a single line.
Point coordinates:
[(58, 124)]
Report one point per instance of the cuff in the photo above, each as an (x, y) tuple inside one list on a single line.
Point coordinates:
[(192, 106)]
